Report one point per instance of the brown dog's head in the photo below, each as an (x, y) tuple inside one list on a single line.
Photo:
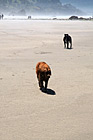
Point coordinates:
[(46, 74)]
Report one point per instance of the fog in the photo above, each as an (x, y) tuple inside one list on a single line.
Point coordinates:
[(6, 17)]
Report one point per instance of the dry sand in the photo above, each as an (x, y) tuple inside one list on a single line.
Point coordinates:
[(25, 112)]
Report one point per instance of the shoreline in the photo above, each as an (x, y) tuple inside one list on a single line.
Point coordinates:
[(81, 18)]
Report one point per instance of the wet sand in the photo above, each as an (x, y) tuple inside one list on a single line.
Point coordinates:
[(66, 111)]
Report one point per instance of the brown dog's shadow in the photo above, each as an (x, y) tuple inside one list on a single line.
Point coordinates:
[(48, 91)]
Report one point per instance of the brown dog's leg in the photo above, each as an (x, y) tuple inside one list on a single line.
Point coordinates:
[(41, 84), (46, 83)]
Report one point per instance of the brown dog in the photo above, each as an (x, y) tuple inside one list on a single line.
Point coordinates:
[(43, 72)]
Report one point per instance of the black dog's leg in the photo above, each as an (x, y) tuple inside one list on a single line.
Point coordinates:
[(67, 45), (71, 45), (64, 45)]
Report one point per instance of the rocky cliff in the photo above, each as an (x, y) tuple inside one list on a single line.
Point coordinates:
[(37, 7)]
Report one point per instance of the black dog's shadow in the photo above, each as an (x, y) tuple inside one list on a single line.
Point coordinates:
[(68, 48), (48, 91)]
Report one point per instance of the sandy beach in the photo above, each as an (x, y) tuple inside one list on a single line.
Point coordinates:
[(65, 113)]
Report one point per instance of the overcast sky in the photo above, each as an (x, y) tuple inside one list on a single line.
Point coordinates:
[(86, 5)]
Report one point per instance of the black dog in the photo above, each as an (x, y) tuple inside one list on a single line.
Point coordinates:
[(67, 40)]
